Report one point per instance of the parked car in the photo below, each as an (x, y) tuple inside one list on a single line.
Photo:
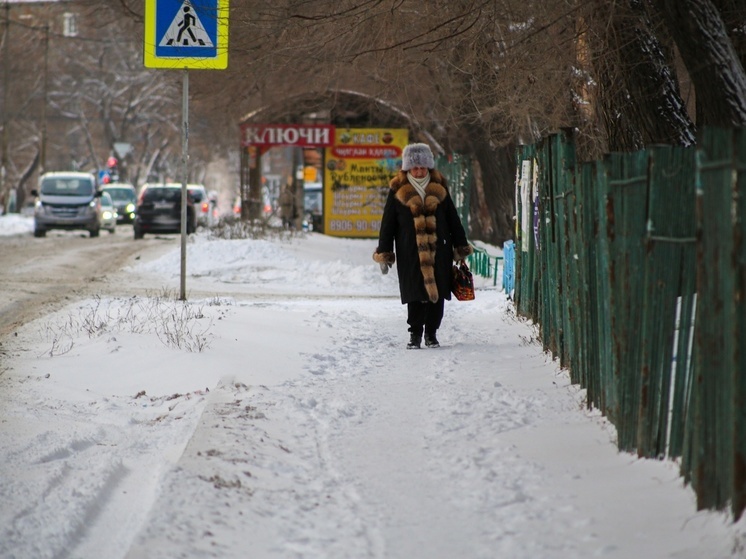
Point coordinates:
[(124, 197), (202, 206), (108, 213), (67, 200), (159, 210)]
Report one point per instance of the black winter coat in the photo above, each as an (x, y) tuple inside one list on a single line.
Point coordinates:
[(425, 235)]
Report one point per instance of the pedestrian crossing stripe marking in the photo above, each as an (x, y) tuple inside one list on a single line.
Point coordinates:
[(186, 29)]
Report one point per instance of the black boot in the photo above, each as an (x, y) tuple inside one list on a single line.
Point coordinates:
[(431, 340), (415, 340)]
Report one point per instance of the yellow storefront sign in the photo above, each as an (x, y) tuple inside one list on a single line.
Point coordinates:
[(357, 171)]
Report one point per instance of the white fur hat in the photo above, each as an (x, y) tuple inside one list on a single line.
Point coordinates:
[(417, 155)]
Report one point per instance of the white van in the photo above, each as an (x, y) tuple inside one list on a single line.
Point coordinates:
[(67, 200)]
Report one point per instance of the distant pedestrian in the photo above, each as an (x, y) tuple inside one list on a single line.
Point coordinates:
[(421, 232), (287, 206)]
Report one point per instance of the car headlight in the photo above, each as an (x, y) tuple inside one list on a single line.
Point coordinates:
[(107, 214), (130, 208)]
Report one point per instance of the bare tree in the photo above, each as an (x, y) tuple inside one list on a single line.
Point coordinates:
[(733, 14), (711, 59), (89, 91), (484, 75), (459, 68), (101, 85), (638, 100), (22, 97)]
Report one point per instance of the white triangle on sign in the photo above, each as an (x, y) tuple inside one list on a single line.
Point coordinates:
[(122, 149), (186, 30)]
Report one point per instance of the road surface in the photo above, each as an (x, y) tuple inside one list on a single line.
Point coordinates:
[(38, 276)]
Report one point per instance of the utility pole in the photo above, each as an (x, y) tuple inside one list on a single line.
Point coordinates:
[(4, 162), (43, 149), (298, 185), (254, 210)]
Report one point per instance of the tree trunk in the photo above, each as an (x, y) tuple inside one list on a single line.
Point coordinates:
[(492, 199), (640, 98), (733, 14), (712, 61), (25, 176)]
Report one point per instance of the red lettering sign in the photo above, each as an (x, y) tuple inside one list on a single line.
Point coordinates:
[(367, 152), (302, 135)]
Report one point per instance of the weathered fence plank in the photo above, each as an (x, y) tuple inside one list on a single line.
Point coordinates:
[(636, 274)]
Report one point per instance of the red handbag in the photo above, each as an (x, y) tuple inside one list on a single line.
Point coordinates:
[(462, 285)]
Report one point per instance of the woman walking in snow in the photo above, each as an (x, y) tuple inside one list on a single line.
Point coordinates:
[(421, 232)]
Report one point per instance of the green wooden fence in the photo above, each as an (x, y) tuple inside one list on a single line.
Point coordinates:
[(456, 168), (634, 268)]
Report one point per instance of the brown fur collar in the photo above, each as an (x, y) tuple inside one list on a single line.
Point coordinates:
[(405, 192), (423, 214)]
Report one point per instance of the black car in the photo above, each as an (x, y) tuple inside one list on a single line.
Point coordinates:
[(124, 197), (159, 210)]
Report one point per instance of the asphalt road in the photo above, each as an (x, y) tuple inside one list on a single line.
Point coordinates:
[(38, 276)]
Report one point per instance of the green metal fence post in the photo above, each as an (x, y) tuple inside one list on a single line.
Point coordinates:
[(715, 333), (667, 298), (739, 403), (525, 273)]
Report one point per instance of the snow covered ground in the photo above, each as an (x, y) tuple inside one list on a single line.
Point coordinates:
[(279, 415)]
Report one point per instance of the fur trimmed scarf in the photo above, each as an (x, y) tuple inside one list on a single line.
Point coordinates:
[(423, 214)]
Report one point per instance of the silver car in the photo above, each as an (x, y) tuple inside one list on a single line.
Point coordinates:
[(67, 200), (109, 213), (202, 205)]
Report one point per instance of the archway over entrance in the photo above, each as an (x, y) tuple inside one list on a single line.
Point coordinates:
[(342, 108), (307, 123)]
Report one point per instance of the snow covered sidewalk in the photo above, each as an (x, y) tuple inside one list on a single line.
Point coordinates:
[(307, 430), (477, 449)]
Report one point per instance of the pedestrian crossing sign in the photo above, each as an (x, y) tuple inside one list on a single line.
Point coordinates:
[(186, 34)]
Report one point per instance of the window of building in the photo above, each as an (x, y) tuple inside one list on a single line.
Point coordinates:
[(70, 25)]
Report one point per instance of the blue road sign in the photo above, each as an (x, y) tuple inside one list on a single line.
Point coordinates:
[(186, 33)]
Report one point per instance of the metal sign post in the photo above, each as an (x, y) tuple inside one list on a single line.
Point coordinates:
[(184, 34), (184, 177)]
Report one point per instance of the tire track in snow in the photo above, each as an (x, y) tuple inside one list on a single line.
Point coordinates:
[(75, 469)]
